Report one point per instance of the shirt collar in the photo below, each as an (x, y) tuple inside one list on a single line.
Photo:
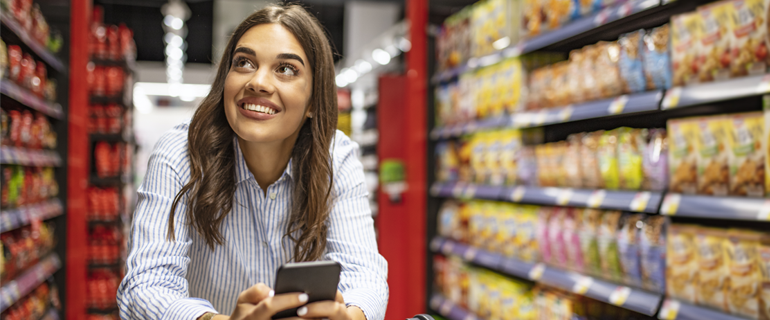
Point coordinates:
[(242, 172)]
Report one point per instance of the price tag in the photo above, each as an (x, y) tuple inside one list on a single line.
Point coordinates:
[(514, 51), (565, 114), (447, 247), (764, 85), (602, 17), (470, 254), (596, 198), (446, 307), (518, 194), (582, 284), (540, 118), (620, 295), (625, 9), (670, 204), (671, 100), (537, 272), (639, 203), (564, 196), (470, 192), (617, 105), (764, 212), (669, 310)]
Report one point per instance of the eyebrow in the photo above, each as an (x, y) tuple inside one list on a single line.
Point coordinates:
[(280, 56)]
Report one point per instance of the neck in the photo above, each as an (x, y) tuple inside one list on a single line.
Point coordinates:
[(267, 161)]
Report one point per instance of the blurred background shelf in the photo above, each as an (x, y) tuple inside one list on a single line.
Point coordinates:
[(29, 157), (40, 50), (27, 98), (28, 281), (677, 310), (14, 218)]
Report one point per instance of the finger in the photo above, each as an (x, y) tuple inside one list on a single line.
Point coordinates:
[(339, 297), (255, 294), (322, 309), (280, 302)]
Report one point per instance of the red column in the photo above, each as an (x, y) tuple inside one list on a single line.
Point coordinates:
[(77, 161), (402, 125)]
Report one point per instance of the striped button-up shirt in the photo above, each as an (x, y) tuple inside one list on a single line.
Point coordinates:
[(184, 279)]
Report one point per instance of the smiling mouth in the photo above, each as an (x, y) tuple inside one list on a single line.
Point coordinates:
[(257, 108)]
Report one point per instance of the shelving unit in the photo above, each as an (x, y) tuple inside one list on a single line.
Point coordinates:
[(27, 157), (28, 281), (449, 310), (25, 97), (677, 310), (15, 218), (39, 50)]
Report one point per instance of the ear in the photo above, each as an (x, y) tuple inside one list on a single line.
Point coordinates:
[(309, 112)]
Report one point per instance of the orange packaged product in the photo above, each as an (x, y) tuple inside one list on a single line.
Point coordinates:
[(574, 82), (589, 160), (589, 73), (558, 93), (607, 69), (572, 168), (685, 44), (764, 263), (681, 262), (749, 42), (713, 273), (539, 79), (743, 285), (715, 41)]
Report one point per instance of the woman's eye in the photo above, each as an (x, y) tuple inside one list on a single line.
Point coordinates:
[(287, 70), (242, 63)]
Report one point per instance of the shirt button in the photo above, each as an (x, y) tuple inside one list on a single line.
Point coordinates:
[(264, 244), (272, 196)]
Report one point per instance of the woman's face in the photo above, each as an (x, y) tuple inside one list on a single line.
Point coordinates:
[(268, 88)]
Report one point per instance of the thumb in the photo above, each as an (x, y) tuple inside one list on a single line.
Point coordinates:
[(255, 294)]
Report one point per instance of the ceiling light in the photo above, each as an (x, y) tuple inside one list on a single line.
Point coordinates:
[(176, 41), (404, 45), (350, 75), (380, 56), (340, 81), (363, 66)]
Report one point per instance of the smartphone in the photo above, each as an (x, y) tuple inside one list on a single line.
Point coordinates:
[(318, 279)]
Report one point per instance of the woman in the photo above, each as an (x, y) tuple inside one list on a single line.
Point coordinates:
[(256, 179)]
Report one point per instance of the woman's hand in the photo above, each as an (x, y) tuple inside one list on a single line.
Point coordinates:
[(332, 310), (260, 303)]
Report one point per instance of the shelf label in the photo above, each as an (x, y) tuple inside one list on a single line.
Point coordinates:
[(447, 247), (764, 212), (620, 295), (669, 310), (764, 85), (470, 254), (457, 192), (537, 272), (670, 204), (540, 118), (639, 203), (671, 100), (564, 196), (596, 198), (518, 194), (617, 105), (602, 17), (470, 192), (582, 284), (565, 114)]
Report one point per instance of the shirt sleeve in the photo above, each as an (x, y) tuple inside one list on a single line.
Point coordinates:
[(155, 286), (351, 240)]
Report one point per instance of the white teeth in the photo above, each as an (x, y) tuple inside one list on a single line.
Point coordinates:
[(258, 108)]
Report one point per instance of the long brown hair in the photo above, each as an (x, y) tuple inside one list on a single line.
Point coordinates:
[(209, 193)]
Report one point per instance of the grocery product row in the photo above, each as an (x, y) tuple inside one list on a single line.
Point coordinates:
[(39, 304), (14, 291), (26, 129), (27, 22), (484, 294)]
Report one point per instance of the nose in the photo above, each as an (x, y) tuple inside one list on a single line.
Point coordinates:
[(261, 82)]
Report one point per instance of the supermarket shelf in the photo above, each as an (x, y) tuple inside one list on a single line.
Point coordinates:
[(110, 137), (28, 99), (565, 32), (15, 218), (731, 208), (108, 182), (677, 310), (52, 314), (129, 66), (716, 91), (626, 297), (625, 104), (636, 201), (103, 311), (449, 310), (114, 265), (28, 157), (117, 99), (473, 126), (38, 48), (24, 284)]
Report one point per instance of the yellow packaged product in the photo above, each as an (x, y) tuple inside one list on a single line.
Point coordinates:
[(608, 159), (685, 46), (494, 172), (715, 41), (681, 262), (571, 165), (589, 161), (713, 156), (682, 155), (747, 156), (526, 233), (575, 80), (485, 83), (509, 225), (764, 261), (508, 155), (558, 158), (491, 226), (539, 80), (478, 146), (544, 170), (766, 143), (749, 42), (713, 273), (476, 224), (511, 91), (558, 12), (631, 146), (531, 18), (494, 296), (743, 286)]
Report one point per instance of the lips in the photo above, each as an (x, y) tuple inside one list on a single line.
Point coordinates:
[(258, 108)]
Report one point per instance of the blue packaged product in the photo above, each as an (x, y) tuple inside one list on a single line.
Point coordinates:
[(628, 248), (657, 61), (652, 244), (631, 65)]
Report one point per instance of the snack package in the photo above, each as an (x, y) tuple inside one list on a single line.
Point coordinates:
[(512, 85), (574, 81), (681, 262), (629, 249), (527, 172), (476, 224), (589, 73), (766, 142), (589, 160), (509, 225), (571, 165), (532, 18), (682, 156), (608, 159), (607, 69), (448, 163), (449, 220), (631, 146), (543, 236), (539, 79), (510, 150), (715, 41), (749, 41), (652, 243), (764, 261), (747, 163), (713, 272), (609, 256), (630, 62), (685, 46), (494, 146), (527, 236), (655, 161), (558, 151), (3, 59), (556, 237), (657, 58), (713, 156), (559, 12), (571, 238), (743, 286)]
